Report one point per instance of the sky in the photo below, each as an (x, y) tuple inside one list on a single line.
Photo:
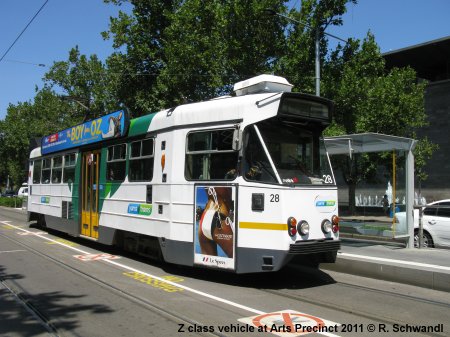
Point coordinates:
[(63, 24)]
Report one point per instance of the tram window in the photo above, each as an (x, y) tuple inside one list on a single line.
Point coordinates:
[(116, 163), (69, 167), (37, 165), (141, 160), (210, 155), (56, 170), (46, 170), (256, 165)]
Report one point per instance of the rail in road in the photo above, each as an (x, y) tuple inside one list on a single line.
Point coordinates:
[(74, 287)]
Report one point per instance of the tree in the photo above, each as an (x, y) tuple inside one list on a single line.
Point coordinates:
[(139, 57), (3, 155), (211, 45), (171, 52), (83, 78), (26, 121), (298, 61), (370, 99), (86, 80)]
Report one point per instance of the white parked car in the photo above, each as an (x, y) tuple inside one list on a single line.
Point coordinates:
[(23, 191), (436, 224)]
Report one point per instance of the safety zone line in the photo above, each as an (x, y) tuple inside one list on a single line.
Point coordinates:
[(191, 290), (381, 259)]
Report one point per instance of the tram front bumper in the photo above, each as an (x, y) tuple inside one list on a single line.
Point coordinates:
[(314, 246)]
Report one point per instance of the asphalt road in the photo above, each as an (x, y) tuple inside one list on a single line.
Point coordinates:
[(55, 285)]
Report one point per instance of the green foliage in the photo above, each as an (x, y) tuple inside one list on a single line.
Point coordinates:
[(205, 43), (176, 51), (370, 99), (140, 54), (85, 80), (171, 52), (422, 154), (298, 60), (28, 121), (10, 202)]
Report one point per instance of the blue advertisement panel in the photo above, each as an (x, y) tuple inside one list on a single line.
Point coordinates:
[(113, 125)]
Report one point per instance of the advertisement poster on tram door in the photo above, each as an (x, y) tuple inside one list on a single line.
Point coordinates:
[(214, 230)]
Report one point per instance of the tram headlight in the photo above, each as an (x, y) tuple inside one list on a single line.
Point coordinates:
[(292, 226), (335, 221), (326, 226), (303, 227)]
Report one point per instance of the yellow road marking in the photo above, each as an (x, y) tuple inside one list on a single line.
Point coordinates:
[(8, 226), (155, 282), (66, 242), (263, 225)]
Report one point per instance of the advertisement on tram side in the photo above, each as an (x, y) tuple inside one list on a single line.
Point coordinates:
[(214, 230), (113, 125)]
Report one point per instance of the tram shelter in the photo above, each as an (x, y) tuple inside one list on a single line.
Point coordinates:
[(373, 142)]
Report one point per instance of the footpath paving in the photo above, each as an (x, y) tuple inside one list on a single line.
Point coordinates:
[(428, 268)]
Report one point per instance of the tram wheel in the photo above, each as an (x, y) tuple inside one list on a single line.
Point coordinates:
[(41, 220)]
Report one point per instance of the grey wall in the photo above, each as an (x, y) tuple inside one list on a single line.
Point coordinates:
[(437, 106)]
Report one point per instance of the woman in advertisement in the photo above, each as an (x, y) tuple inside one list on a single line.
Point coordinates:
[(216, 223)]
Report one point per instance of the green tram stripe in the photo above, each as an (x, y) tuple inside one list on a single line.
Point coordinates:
[(140, 125)]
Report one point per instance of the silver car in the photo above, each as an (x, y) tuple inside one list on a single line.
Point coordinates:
[(436, 224)]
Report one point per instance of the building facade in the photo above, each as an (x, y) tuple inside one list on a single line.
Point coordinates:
[(431, 61)]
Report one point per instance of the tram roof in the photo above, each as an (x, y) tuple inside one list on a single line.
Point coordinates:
[(367, 142), (223, 109)]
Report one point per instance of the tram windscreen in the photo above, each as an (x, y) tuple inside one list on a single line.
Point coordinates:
[(297, 154)]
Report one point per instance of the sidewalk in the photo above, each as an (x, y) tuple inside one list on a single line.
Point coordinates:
[(428, 268)]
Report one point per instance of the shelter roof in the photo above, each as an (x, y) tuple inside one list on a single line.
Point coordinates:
[(367, 142)]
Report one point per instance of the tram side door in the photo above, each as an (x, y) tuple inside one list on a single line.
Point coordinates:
[(90, 194)]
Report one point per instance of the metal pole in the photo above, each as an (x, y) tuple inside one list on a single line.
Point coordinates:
[(420, 227), (394, 168), (410, 195), (317, 63), (317, 44)]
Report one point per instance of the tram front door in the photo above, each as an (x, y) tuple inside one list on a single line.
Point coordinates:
[(89, 194)]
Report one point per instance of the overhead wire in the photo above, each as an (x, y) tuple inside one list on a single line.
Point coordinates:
[(25, 62), (23, 31)]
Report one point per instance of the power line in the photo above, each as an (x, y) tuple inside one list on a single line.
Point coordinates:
[(25, 62), (23, 31)]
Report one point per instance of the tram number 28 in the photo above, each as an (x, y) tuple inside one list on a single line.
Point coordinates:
[(274, 198)]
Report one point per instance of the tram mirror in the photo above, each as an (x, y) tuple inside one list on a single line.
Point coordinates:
[(237, 136)]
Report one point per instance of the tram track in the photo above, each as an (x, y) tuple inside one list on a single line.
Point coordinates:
[(21, 298), (27, 300), (289, 290), (291, 295), (391, 293)]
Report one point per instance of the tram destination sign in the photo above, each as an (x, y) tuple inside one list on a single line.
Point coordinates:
[(113, 125)]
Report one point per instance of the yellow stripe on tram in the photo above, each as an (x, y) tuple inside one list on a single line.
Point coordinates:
[(263, 225)]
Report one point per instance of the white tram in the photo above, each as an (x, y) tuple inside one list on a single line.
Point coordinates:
[(237, 183)]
